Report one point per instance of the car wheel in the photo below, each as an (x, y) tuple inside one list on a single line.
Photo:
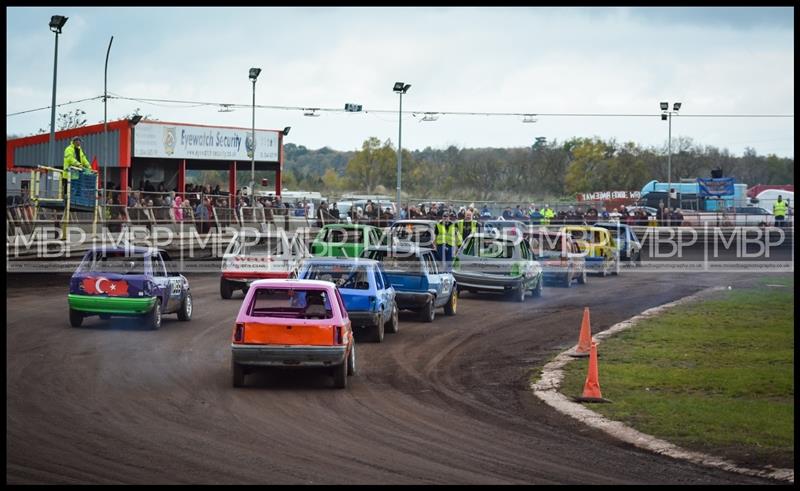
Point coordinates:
[(75, 318), (238, 374), (225, 289), (639, 258), (520, 292), (340, 375), (537, 292), (615, 268), (394, 322), (185, 312), (377, 332), (428, 314), (604, 270), (153, 319), (582, 277), (351, 362), (451, 307), (568, 279)]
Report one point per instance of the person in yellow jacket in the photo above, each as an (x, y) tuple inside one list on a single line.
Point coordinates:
[(75, 158), (547, 215), (779, 211), (447, 239)]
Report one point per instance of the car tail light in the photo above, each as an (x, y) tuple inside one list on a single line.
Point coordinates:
[(238, 334), (337, 335)]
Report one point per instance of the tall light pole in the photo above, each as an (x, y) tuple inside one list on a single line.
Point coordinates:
[(254, 72), (56, 23), (401, 89), (105, 118), (666, 114)]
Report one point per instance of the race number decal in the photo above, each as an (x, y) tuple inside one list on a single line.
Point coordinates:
[(176, 287)]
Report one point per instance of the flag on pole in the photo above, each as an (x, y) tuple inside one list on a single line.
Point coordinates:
[(95, 166)]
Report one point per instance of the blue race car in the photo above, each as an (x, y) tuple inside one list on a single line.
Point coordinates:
[(367, 293), (420, 284), (628, 245)]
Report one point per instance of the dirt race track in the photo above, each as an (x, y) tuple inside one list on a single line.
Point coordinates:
[(446, 402)]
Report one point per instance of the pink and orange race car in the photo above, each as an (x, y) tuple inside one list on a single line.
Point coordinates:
[(293, 323)]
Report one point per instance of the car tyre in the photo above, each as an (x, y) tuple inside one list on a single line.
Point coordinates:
[(615, 268), (428, 314), (378, 332), (75, 318), (351, 362), (451, 307), (153, 318), (537, 292), (519, 293), (340, 375), (225, 289), (238, 374), (568, 279), (394, 322), (185, 312), (582, 277)]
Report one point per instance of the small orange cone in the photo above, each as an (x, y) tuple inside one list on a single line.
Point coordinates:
[(585, 338), (591, 388)]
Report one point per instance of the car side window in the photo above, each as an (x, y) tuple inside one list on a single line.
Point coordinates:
[(378, 279), (342, 310), (428, 258), (158, 266), (526, 253)]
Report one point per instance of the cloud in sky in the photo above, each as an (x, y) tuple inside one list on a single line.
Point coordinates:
[(521, 59)]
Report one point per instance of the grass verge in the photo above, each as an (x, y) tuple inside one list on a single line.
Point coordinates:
[(715, 376)]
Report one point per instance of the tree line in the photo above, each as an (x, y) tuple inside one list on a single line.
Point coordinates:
[(544, 170)]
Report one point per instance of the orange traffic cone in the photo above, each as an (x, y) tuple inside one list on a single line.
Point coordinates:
[(585, 338), (591, 388)]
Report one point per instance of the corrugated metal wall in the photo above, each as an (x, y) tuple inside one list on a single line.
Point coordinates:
[(33, 155)]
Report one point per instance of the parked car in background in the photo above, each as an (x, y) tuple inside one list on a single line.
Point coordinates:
[(293, 323), (420, 285), (254, 256), (497, 263), (628, 245), (345, 240), (561, 258), (128, 282), (368, 295), (601, 253)]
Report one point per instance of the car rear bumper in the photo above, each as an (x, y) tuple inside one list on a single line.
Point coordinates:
[(487, 282), (111, 305), (412, 300), (364, 318), (287, 355)]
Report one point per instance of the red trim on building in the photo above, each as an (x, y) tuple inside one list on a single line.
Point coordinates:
[(12, 145), (232, 184)]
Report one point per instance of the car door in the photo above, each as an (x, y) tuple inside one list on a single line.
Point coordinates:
[(390, 291), (384, 302), (175, 282), (161, 280), (528, 265), (438, 281)]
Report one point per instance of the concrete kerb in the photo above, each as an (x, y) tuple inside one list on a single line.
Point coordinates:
[(547, 387)]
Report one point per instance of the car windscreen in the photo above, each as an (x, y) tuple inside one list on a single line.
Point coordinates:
[(587, 235), (493, 248), (113, 262), (290, 303), (400, 262), (343, 236), (348, 276)]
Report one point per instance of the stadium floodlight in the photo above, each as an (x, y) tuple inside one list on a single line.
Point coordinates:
[(57, 22), (664, 106), (676, 106)]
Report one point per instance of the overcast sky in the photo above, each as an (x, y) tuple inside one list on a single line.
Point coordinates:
[(517, 59)]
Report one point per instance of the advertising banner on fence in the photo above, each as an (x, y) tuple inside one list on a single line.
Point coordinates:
[(179, 141), (722, 186), (608, 195)]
